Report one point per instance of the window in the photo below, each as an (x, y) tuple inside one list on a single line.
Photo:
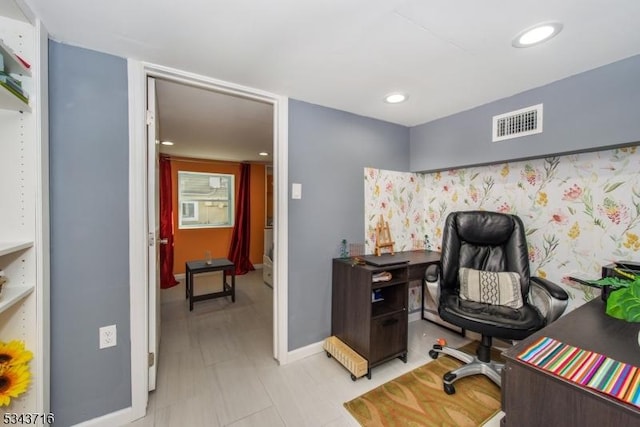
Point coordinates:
[(189, 211), (205, 200)]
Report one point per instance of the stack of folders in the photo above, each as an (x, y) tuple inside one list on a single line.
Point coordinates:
[(14, 86)]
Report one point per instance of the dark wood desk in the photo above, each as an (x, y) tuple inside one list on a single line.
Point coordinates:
[(376, 328), (532, 397), (217, 264)]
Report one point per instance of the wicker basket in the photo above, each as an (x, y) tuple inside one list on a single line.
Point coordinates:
[(344, 354)]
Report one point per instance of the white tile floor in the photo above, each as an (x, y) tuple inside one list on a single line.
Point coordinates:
[(216, 366)]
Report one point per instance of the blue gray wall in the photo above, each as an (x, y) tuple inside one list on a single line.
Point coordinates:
[(328, 151), (89, 169), (588, 111)]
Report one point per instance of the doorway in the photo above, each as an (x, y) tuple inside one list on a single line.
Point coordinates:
[(205, 136), (140, 320)]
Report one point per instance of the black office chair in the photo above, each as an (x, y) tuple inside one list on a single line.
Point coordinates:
[(485, 287)]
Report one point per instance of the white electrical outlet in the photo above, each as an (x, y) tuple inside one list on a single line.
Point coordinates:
[(108, 336)]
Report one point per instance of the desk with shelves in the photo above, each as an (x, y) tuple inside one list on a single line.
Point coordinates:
[(371, 317)]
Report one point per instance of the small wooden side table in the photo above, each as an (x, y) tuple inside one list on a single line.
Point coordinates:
[(216, 264)]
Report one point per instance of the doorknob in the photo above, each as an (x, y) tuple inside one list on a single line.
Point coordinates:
[(163, 241)]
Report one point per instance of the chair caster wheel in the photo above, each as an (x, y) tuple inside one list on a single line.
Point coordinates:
[(353, 377), (434, 354), (449, 389)]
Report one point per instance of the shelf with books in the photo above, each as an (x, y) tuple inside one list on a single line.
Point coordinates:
[(12, 95), (13, 63), (10, 101)]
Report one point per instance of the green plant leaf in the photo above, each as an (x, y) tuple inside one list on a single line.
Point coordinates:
[(616, 282), (625, 303)]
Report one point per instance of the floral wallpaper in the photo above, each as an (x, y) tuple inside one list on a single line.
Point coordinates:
[(580, 211)]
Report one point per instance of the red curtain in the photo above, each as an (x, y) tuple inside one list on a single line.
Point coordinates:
[(240, 240), (167, 279)]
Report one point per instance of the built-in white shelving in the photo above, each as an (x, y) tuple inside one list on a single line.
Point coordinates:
[(12, 65), (11, 247), (23, 190), (13, 294), (9, 101)]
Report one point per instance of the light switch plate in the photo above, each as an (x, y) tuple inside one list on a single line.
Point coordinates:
[(296, 191)]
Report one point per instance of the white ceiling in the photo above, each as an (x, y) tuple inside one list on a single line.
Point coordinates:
[(209, 125), (448, 56)]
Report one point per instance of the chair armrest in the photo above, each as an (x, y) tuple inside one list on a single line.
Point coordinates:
[(548, 297), (432, 273), (432, 284), (551, 288)]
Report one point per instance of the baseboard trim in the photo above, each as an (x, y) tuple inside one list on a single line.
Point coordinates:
[(306, 351), (117, 418)]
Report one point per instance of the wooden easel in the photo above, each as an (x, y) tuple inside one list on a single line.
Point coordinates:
[(383, 237)]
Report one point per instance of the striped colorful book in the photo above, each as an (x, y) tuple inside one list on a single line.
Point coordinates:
[(585, 368)]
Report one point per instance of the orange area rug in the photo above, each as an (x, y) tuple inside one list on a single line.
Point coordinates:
[(417, 399)]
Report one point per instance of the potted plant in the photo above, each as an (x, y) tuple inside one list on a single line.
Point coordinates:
[(622, 295)]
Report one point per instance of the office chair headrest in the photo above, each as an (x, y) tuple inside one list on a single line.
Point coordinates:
[(484, 228)]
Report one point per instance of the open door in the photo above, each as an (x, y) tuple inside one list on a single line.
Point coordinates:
[(153, 203)]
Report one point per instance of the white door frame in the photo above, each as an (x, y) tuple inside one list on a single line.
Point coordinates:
[(138, 253), (155, 240)]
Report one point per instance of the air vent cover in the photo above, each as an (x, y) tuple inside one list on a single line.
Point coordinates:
[(527, 121)]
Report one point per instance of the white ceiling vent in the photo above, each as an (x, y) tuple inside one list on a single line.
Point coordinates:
[(527, 121)]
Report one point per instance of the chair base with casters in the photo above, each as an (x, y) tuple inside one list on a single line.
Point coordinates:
[(474, 365)]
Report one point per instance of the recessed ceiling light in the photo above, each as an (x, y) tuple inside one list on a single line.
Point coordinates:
[(263, 153), (166, 143), (395, 98), (537, 34)]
